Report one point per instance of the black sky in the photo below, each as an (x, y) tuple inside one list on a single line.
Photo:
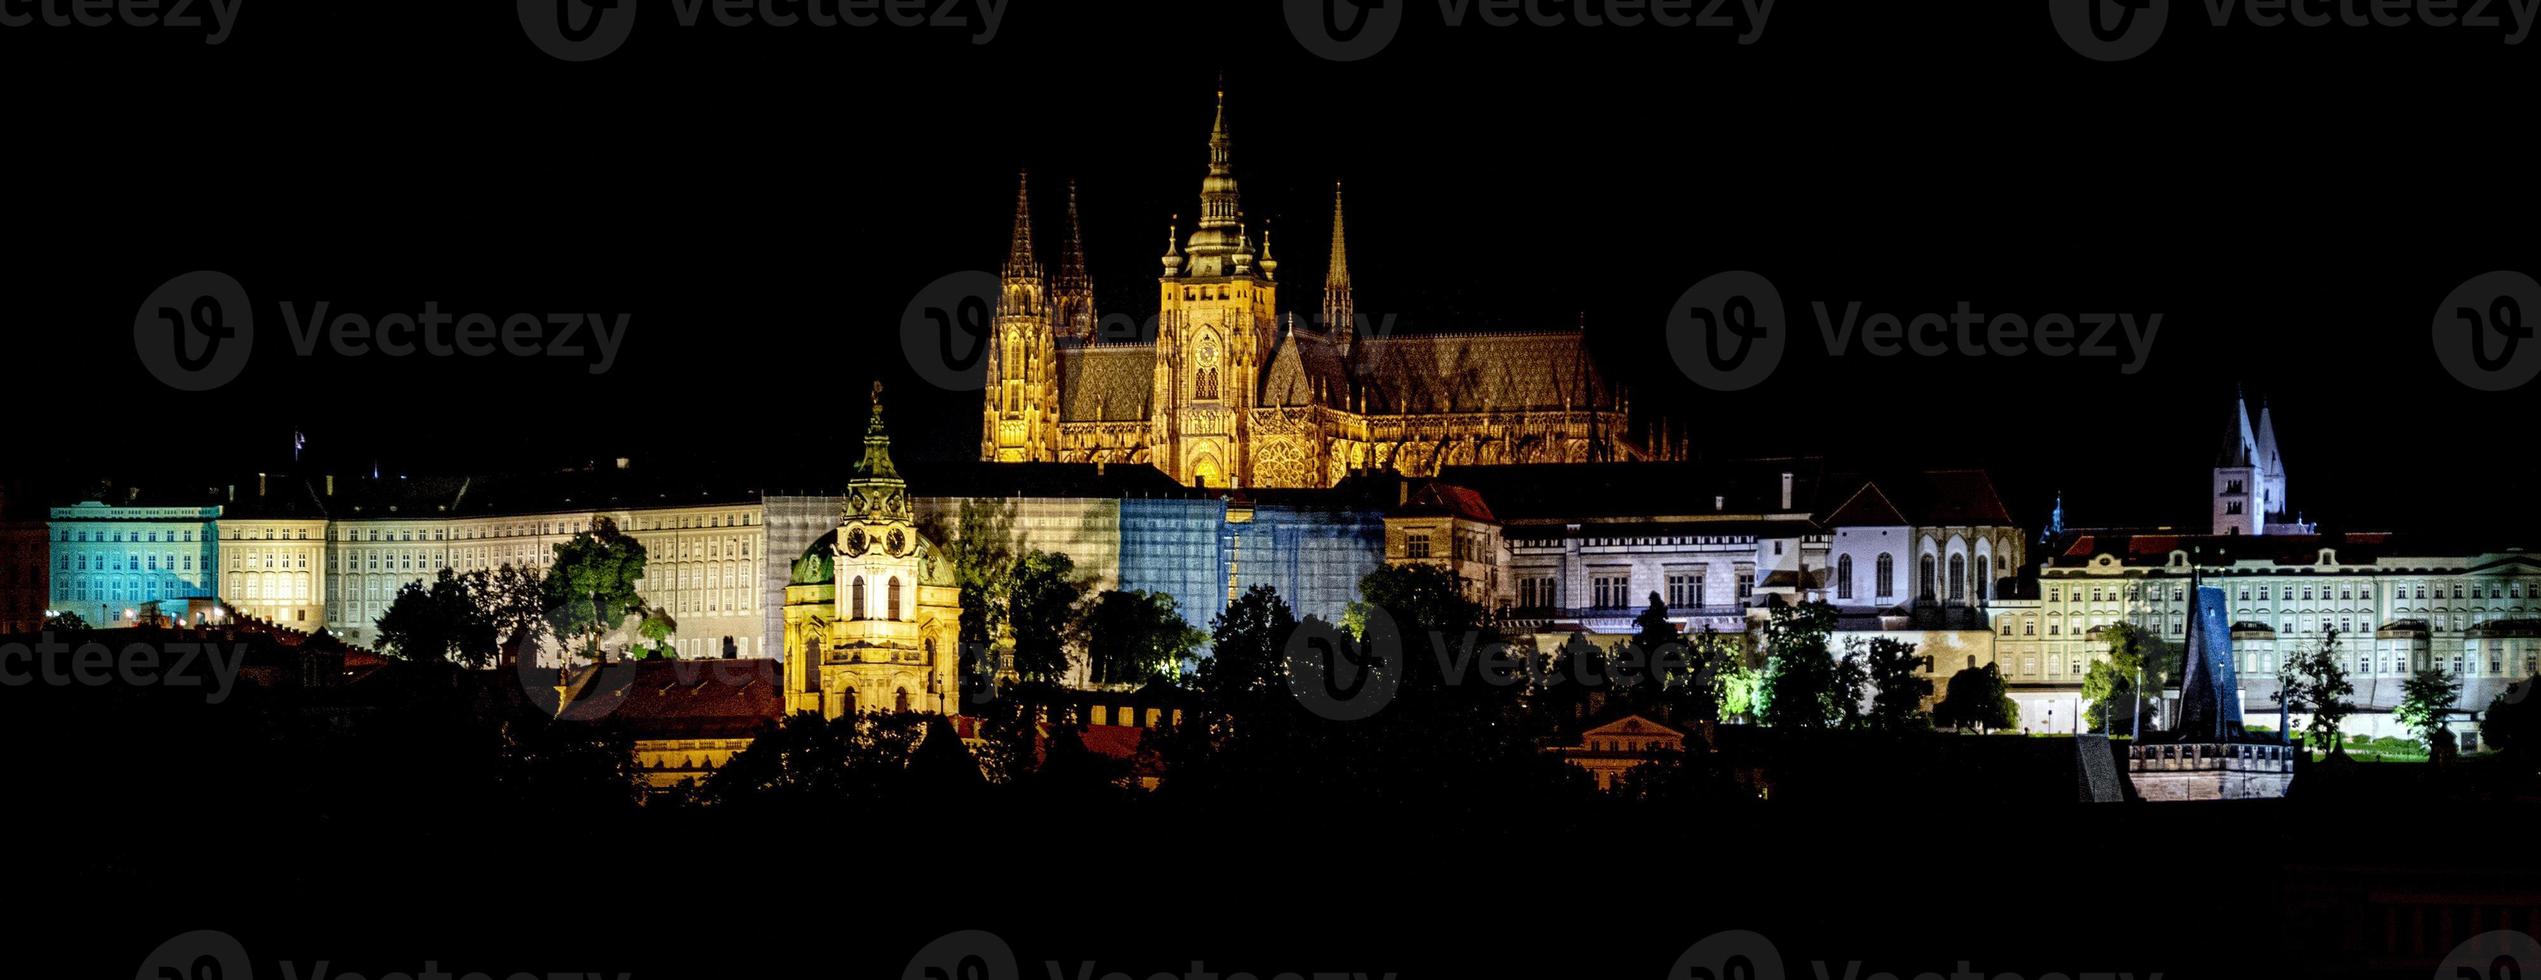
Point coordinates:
[(765, 202)]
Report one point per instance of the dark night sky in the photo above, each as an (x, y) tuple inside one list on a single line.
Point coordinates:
[(765, 202)]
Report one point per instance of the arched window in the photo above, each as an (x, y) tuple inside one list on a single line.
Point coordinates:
[(1984, 581), (892, 597), (1885, 578), (1924, 576), (856, 599), (1844, 577), (1958, 578), (901, 702)]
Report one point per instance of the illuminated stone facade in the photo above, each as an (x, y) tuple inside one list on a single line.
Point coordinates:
[(112, 561), (872, 611), (1225, 392)]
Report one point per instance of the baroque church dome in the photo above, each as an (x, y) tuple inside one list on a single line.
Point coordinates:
[(815, 567)]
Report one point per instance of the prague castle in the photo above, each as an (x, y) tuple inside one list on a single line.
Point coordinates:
[(1229, 392)]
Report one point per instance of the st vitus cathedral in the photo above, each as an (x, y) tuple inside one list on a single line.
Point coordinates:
[(1231, 394)]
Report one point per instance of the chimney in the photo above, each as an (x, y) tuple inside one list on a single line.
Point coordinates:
[(1786, 490), (1720, 502), (330, 484), (232, 493), (260, 485), (1402, 492)]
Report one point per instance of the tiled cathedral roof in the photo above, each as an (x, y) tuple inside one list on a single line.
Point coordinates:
[(1423, 374), (1106, 382)]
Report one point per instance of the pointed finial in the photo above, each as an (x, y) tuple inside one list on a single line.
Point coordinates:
[(1020, 260)]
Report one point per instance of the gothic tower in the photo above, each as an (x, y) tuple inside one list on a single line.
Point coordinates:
[(1021, 421), (1072, 289), (1340, 312), (2236, 481), (1216, 321)]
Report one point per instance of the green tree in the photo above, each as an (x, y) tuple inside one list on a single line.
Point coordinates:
[(982, 550), (415, 626), (1133, 635), (1896, 676), (591, 586), (1045, 611), (2109, 688), (65, 621), (2316, 680), (2426, 700), (656, 630), (1248, 653), (2512, 724), (1804, 686), (508, 610), (1977, 697)]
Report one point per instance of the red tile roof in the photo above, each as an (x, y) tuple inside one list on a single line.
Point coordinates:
[(681, 698)]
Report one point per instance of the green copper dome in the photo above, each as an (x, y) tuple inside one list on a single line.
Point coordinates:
[(815, 568)]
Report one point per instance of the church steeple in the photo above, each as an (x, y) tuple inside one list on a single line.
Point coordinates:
[(1220, 234), (1020, 261), (876, 491), (1020, 419), (1072, 291), (1340, 311)]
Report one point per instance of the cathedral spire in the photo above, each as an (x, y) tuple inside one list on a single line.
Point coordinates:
[(1340, 312), (1072, 293), (1219, 235), (1020, 262)]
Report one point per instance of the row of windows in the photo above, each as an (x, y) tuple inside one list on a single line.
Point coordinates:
[(131, 563), (2482, 589), (120, 537)]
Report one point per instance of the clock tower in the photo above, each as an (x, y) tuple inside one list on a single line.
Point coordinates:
[(872, 612)]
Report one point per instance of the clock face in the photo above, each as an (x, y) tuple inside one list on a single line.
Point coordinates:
[(856, 541), (897, 541)]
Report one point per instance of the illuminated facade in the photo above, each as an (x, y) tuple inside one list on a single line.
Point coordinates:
[(1228, 393), (274, 569), (110, 562), (702, 564), (872, 611)]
